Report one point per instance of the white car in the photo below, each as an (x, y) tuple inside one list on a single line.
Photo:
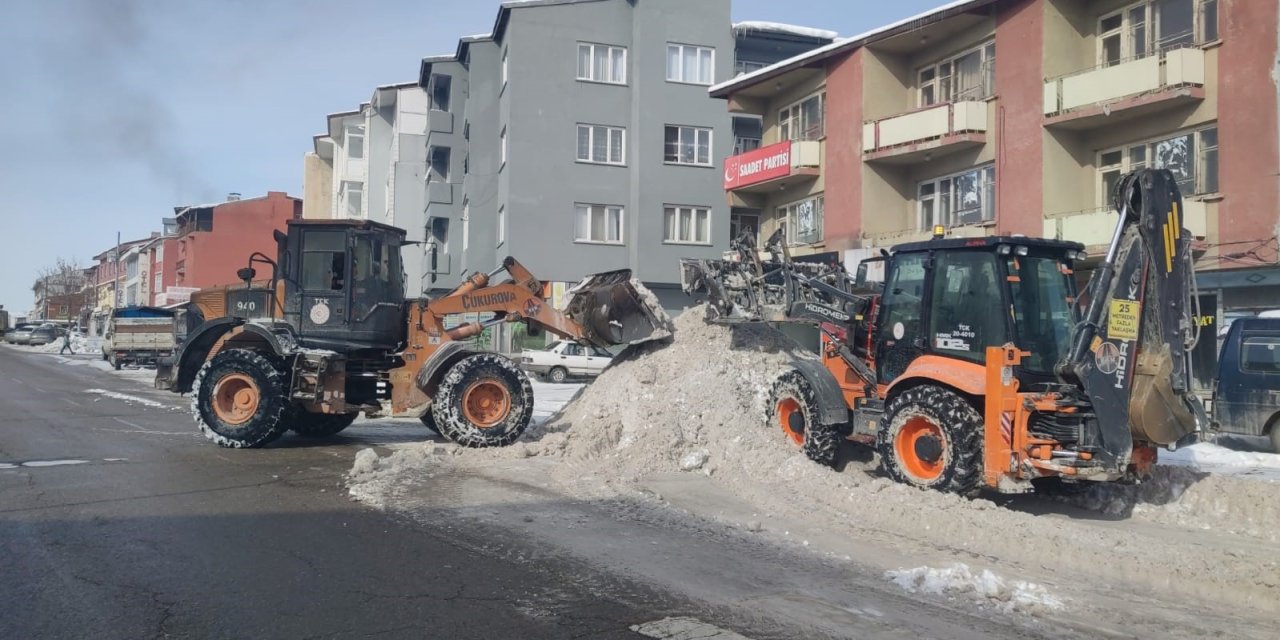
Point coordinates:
[(563, 360)]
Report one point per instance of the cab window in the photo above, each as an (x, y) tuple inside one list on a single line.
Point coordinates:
[(900, 313), (965, 314), (324, 261), (1260, 354)]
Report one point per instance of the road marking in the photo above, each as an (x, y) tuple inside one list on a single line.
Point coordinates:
[(132, 424), (684, 629), (18, 380), (70, 402), (127, 398), (53, 463), (6, 465)]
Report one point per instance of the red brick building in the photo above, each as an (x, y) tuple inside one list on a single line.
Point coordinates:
[(1017, 116), (213, 241)]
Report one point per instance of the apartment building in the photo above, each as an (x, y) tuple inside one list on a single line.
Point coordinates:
[(1018, 116)]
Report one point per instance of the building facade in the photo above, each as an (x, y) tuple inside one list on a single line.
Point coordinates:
[(1019, 116), (213, 241)]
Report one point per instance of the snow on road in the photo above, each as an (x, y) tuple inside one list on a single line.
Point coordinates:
[(1217, 459), (958, 580), (130, 399)]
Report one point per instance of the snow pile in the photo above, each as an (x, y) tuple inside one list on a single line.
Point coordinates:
[(958, 580), (79, 344), (1213, 458), (749, 26)]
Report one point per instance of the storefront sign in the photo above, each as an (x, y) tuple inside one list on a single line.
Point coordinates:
[(765, 163)]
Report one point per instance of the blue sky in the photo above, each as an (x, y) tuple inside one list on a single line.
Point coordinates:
[(115, 111)]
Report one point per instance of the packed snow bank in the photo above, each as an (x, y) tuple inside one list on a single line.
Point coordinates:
[(958, 580), (79, 344), (1213, 458), (696, 405)]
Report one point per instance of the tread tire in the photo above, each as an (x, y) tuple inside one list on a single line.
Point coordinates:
[(320, 425), (429, 421), (821, 442), (268, 422), (446, 407), (961, 426)]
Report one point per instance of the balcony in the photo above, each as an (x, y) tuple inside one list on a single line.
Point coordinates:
[(440, 121), (762, 170), (932, 131), (892, 238), (1126, 90), (1094, 227), (439, 191)]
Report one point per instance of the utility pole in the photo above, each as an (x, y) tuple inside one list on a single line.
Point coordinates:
[(115, 275)]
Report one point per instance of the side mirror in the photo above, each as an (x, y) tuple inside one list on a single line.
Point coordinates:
[(247, 274)]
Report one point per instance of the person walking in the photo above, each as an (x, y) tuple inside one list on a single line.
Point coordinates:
[(66, 344)]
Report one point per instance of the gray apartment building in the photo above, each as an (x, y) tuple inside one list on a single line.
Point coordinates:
[(578, 136)]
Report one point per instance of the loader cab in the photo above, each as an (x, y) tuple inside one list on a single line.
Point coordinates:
[(955, 297), (343, 284)]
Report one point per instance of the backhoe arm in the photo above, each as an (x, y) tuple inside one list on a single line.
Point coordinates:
[(1130, 353)]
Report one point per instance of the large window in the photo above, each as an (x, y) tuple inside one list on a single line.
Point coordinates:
[(354, 143), (690, 63), (353, 199), (439, 88), (602, 144), (598, 223), (602, 63), (804, 120), (1191, 156), (502, 225), (743, 144), (502, 148), (958, 199), (1152, 26), (966, 314), (688, 225), (687, 145), (967, 76), (323, 260), (803, 220)]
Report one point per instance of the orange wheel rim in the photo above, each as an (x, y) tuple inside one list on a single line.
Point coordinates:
[(486, 403), (920, 445), (236, 398), (789, 411)]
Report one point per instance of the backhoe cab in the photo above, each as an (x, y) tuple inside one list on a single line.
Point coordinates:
[(976, 363), (330, 335)]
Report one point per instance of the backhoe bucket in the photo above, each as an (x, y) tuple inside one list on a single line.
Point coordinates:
[(613, 308)]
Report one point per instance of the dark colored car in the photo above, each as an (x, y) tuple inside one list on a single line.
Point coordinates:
[(1246, 400)]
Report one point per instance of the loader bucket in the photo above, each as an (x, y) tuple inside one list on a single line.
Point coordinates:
[(615, 309)]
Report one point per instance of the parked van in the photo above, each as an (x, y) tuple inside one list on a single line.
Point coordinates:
[(1246, 398)]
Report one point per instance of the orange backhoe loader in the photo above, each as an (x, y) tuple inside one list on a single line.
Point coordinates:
[(330, 335), (976, 363)]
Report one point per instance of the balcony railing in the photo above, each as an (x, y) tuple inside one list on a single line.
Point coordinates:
[(1166, 69), (936, 122), (1094, 227)]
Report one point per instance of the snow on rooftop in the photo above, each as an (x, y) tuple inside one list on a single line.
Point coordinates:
[(746, 78), (779, 27), (478, 36)]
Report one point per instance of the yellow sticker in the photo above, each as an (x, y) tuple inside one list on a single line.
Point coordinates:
[(1122, 320)]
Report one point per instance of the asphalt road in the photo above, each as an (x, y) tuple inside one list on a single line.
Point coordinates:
[(117, 520)]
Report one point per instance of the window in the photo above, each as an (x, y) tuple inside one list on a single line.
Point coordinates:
[(354, 143), (599, 143), (688, 225), (504, 67), (966, 315), (439, 89), (741, 67), (502, 148), (353, 199), (900, 313), (466, 226), (803, 120), (1260, 354), (967, 76), (743, 145), (502, 225), (602, 63), (803, 220), (690, 63), (1153, 26), (687, 145), (323, 260), (439, 158), (958, 199), (598, 223), (745, 224), (1191, 156)]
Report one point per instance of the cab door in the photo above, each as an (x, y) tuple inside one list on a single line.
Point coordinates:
[(324, 286)]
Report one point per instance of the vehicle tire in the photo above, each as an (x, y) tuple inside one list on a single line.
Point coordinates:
[(931, 438), (793, 408), (484, 400), (429, 421), (116, 364), (239, 400), (320, 425), (558, 375)]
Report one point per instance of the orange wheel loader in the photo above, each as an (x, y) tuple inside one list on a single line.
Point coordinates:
[(976, 364), (330, 335)]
